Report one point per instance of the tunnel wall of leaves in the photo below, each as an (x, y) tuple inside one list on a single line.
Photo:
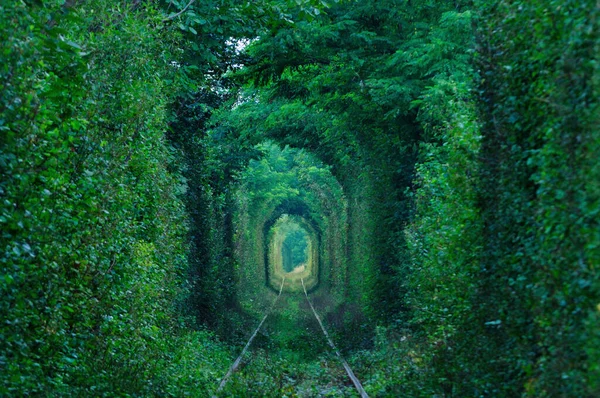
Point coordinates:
[(266, 205), (275, 270)]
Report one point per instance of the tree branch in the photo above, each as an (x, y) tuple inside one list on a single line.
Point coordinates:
[(180, 12)]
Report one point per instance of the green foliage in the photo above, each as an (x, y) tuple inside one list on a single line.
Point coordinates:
[(329, 86), (395, 365), (445, 237), (92, 227), (297, 241), (502, 230), (540, 102), (288, 181), (443, 155)]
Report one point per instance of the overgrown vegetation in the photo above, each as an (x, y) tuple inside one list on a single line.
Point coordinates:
[(442, 158)]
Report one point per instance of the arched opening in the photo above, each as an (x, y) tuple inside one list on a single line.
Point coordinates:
[(295, 250), (292, 182), (292, 253)]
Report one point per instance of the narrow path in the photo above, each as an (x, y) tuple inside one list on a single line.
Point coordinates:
[(272, 368), (349, 371), (237, 362)]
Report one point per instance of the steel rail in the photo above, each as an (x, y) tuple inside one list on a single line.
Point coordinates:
[(349, 371), (237, 362)]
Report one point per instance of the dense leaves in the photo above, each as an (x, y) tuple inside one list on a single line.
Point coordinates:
[(541, 191), (93, 251), (443, 156)]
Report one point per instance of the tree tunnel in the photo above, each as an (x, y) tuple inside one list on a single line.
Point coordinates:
[(290, 223), (286, 256)]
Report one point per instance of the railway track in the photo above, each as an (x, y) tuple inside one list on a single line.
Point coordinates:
[(329, 347)]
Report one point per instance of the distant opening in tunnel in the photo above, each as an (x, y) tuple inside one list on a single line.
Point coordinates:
[(292, 253), (294, 250), (286, 186)]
